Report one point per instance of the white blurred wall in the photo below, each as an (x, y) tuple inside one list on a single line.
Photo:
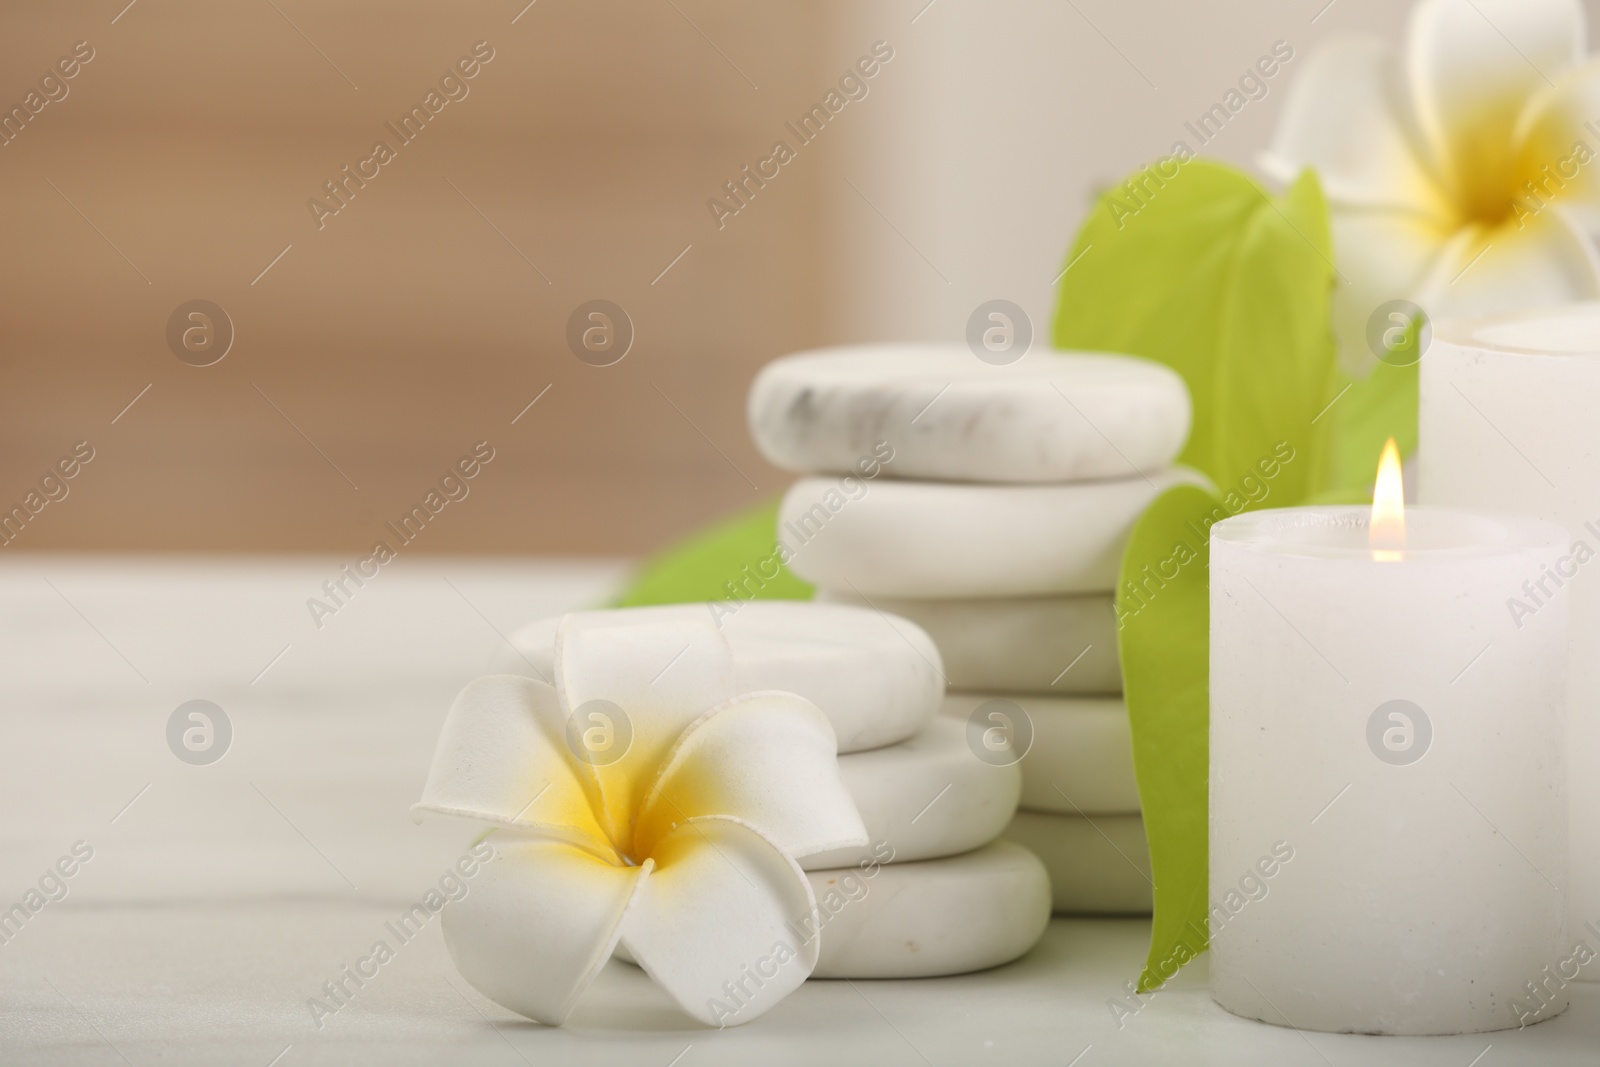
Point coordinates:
[(985, 138)]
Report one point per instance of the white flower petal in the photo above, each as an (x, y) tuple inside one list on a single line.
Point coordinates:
[(537, 924), (1345, 117), (503, 758), (726, 922), (1472, 65), (1382, 256), (660, 674), (1548, 261), (767, 759), (1558, 146)]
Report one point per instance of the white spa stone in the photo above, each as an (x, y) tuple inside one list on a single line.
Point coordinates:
[(926, 797), (937, 917), (926, 919), (1045, 644), (931, 540), (1098, 864), (878, 680), (1080, 761), (945, 414)]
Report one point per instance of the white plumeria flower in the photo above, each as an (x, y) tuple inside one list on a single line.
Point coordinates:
[(671, 825), (1462, 170)]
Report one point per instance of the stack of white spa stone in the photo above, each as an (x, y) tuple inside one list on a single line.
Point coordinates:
[(996, 525), (934, 892)]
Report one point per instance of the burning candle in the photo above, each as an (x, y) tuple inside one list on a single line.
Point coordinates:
[(1388, 808), (1508, 409)]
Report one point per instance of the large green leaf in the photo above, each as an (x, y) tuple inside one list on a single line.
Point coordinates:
[(1163, 637), (1202, 270), (725, 561), (1231, 289), (1375, 408)]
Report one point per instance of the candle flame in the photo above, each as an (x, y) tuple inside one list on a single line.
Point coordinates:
[(1386, 533)]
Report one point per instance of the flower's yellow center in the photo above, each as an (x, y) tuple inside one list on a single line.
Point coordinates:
[(1496, 182), (635, 806)]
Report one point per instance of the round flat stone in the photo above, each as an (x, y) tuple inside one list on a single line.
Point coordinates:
[(947, 415), (1080, 761), (1098, 865), (937, 540), (877, 680), (936, 917), (926, 797), (1045, 644)]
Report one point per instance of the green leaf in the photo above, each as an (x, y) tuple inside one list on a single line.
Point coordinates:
[(722, 562), (1229, 287), (1377, 407), (1163, 637), (1200, 269)]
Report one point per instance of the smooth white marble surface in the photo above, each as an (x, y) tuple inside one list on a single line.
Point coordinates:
[(930, 918), (927, 797), (937, 917), (1098, 864), (1080, 761), (877, 679), (943, 413), (950, 540), (1046, 644), (217, 903)]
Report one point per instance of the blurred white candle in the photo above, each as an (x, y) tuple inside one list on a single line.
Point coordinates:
[(1388, 810), (1509, 415)]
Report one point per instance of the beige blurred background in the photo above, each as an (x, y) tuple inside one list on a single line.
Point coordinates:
[(426, 315)]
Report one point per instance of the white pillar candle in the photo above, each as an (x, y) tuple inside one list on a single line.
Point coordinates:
[(1508, 416), (1388, 832)]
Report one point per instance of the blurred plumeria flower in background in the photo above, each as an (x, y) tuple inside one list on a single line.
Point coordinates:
[(1461, 167), (640, 800)]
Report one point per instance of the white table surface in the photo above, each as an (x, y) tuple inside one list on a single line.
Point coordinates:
[(222, 897)]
